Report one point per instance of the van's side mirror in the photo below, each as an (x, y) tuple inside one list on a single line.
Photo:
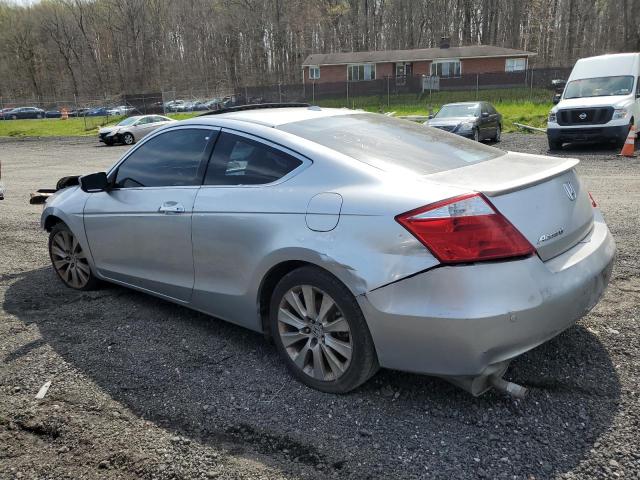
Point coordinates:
[(556, 99), (430, 117), (94, 182)]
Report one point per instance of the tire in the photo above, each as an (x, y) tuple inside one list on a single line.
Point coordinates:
[(69, 261), (14, 117), (476, 134), (498, 135), (338, 353), (554, 144), (128, 139), (38, 116)]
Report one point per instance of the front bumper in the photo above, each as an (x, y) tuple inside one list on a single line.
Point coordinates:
[(108, 136), (596, 133), (456, 130), (462, 320)]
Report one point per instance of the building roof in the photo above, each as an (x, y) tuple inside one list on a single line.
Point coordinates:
[(472, 51)]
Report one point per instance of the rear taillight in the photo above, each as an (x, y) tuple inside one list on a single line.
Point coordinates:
[(593, 202), (465, 229)]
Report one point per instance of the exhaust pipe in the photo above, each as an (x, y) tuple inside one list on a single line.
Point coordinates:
[(512, 389)]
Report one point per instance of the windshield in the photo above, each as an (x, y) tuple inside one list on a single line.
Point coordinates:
[(127, 121), (464, 110), (392, 144), (599, 87)]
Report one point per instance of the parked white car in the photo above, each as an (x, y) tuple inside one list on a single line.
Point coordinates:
[(600, 101), (132, 129), (121, 110)]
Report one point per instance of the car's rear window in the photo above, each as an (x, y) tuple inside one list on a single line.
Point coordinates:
[(392, 144)]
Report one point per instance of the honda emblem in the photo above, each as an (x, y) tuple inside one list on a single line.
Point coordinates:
[(570, 191)]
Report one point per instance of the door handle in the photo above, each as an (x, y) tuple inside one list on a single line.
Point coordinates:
[(171, 207)]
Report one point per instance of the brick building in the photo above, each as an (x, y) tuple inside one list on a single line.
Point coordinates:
[(444, 62)]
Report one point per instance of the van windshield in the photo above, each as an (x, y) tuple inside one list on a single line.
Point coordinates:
[(392, 144), (599, 87)]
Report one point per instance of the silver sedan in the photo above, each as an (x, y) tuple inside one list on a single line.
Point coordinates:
[(354, 240), (132, 129)]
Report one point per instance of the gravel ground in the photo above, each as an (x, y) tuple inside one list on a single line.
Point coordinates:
[(142, 388)]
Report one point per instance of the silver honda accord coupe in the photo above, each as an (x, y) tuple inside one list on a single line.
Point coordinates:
[(354, 240)]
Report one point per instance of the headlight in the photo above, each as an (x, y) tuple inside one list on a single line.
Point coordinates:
[(466, 126), (552, 117), (620, 113)]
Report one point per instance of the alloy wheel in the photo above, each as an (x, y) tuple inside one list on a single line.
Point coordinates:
[(128, 139), (69, 260), (315, 333)]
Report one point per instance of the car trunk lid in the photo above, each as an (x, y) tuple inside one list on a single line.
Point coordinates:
[(540, 195)]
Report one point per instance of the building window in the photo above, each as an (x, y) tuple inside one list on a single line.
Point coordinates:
[(314, 72), (446, 68), (365, 71), (515, 64)]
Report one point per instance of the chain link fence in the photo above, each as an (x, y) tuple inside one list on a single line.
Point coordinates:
[(531, 85)]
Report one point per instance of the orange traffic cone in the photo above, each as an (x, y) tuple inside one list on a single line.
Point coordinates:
[(65, 114), (629, 147)]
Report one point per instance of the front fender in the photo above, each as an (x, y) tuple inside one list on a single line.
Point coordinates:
[(68, 206)]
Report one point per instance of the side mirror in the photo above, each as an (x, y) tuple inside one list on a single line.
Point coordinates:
[(485, 114), (556, 99), (431, 115), (94, 182)]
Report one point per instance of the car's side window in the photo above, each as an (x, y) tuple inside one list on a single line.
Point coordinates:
[(168, 160), (237, 160)]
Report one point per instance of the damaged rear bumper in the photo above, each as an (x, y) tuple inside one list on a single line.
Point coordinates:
[(468, 320)]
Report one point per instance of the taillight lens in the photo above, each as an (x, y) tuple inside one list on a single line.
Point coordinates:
[(465, 229)]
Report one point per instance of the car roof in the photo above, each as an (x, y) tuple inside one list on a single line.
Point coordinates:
[(464, 103), (273, 117)]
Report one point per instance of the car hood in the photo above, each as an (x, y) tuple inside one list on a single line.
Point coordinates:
[(449, 121), (608, 101), (111, 129)]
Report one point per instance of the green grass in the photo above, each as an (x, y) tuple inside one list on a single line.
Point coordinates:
[(73, 127), (521, 105)]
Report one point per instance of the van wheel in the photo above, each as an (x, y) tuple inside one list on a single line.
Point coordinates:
[(555, 145), (320, 331)]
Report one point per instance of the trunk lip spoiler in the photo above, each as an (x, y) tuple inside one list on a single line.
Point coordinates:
[(494, 188)]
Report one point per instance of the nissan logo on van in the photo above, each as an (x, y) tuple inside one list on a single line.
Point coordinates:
[(582, 116)]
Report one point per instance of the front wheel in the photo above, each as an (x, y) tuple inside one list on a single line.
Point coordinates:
[(476, 134), (320, 332), (554, 144), (69, 260), (128, 139), (498, 134)]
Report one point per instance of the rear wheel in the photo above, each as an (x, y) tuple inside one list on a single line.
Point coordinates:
[(128, 139), (69, 260), (39, 116), (320, 332)]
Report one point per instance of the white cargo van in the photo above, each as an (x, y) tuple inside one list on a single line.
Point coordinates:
[(599, 103)]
